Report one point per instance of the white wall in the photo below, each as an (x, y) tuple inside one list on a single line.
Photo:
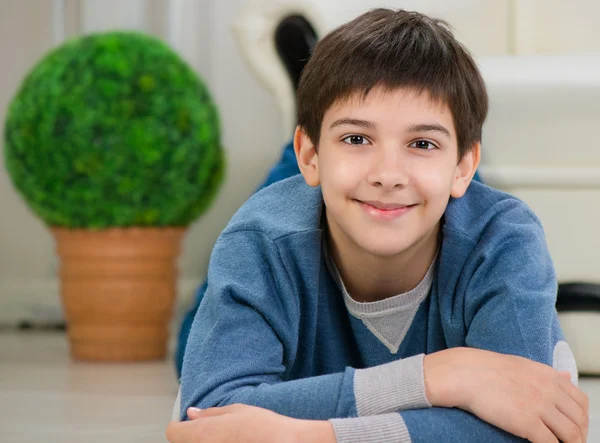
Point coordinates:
[(27, 262), (250, 125)]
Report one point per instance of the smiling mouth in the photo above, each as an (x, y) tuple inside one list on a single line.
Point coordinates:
[(385, 211), (385, 206)]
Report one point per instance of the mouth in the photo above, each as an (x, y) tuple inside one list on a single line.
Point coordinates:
[(385, 211)]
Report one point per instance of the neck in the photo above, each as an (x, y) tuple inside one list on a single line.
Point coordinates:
[(370, 278)]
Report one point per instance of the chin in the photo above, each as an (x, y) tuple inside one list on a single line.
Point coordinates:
[(383, 247)]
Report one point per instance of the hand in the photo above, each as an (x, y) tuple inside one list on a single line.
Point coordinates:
[(526, 398), (246, 424)]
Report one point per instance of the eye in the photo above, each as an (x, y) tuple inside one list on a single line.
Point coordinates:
[(425, 145), (355, 140)]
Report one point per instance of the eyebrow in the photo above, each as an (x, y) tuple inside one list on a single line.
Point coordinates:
[(430, 128), (370, 125), (353, 122)]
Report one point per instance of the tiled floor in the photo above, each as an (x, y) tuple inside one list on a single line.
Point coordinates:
[(46, 398)]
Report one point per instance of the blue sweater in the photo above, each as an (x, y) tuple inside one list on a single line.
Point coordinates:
[(273, 330), (285, 167)]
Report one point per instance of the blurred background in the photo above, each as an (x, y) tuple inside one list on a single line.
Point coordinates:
[(254, 128), (201, 32), (540, 60), (554, 44)]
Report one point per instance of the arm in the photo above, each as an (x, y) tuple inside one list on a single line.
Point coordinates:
[(509, 309), (244, 338), (248, 424), (275, 395), (434, 425)]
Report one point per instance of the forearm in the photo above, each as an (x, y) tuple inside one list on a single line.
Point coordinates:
[(450, 425), (432, 425), (391, 387), (386, 428), (313, 431), (354, 393), (313, 398)]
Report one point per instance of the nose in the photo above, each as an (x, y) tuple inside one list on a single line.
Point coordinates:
[(388, 169)]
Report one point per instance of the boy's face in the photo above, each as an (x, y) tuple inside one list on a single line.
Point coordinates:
[(387, 166)]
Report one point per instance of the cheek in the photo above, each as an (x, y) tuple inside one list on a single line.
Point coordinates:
[(339, 174), (436, 182)]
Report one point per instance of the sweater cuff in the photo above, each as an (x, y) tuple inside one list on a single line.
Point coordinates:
[(395, 386), (387, 428)]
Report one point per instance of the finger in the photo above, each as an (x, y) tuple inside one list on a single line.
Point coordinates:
[(181, 432), (205, 413), (193, 412), (569, 408), (541, 434), (565, 374), (563, 428), (575, 393)]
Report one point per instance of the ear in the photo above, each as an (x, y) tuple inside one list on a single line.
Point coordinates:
[(465, 170), (307, 157)]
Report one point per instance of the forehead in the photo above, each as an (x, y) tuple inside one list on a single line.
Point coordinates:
[(403, 102)]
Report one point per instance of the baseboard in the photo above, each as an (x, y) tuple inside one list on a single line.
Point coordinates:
[(37, 302)]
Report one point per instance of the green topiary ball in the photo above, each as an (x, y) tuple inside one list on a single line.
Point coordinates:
[(114, 130)]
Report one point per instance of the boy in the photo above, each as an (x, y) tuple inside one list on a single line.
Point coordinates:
[(382, 296)]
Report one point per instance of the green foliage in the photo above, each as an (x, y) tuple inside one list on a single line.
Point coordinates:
[(114, 130)]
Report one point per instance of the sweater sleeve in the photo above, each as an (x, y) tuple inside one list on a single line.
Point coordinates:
[(426, 425), (245, 337), (510, 300), (509, 308)]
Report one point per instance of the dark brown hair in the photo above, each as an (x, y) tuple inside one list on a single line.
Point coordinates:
[(393, 49)]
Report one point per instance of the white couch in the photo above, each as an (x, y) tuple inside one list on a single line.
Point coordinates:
[(541, 64)]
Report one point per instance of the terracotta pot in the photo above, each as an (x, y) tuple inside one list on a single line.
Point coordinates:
[(118, 289)]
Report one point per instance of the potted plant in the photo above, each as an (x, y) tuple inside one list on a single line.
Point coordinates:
[(114, 142)]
